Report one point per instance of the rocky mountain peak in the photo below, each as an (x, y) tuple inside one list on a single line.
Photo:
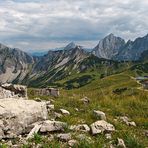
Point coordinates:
[(71, 45), (108, 47), (2, 46)]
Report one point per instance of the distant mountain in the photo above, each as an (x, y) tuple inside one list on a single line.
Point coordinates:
[(58, 64), (112, 47), (108, 47), (132, 50), (19, 67), (144, 56), (14, 64), (38, 54)]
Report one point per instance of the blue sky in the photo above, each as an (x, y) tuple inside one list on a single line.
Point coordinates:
[(47, 24)]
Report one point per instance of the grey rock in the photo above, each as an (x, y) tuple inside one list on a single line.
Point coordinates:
[(13, 91), (52, 126), (50, 107), (15, 64), (121, 143), (47, 92), (64, 112), (108, 136), (72, 142), (85, 100), (80, 127), (127, 121), (1, 134), (100, 115), (101, 126), (64, 137), (133, 50), (57, 115), (19, 114), (34, 131)]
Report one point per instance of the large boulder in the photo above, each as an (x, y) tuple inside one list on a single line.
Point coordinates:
[(101, 127), (16, 115)]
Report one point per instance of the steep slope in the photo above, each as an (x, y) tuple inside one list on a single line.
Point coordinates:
[(57, 65), (14, 64), (108, 47), (141, 67), (144, 56), (133, 49)]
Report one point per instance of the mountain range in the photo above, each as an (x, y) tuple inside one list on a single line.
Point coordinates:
[(17, 66)]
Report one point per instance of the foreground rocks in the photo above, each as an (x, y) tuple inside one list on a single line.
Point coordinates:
[(99, 115), (85, 100), (52, 126), (80, 127), (101, 127), (17, 115), (127, 121), (121, 143), (64, 112), (13, 91), (64, 137)]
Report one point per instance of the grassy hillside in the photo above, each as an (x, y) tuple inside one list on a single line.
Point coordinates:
[(73, 75), (130, 101)]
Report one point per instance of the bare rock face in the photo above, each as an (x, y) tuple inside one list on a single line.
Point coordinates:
[(16, 115), (13, 91), (109, 47), (101, 127), (15, 64)]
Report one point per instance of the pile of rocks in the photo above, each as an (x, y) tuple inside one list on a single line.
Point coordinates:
[(24, 118)]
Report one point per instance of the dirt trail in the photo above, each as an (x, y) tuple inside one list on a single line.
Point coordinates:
[(140, 88)]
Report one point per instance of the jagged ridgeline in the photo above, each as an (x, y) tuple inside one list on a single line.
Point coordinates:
[(73, 66)]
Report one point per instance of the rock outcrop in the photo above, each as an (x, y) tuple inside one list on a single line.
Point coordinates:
[(17, 115), (15, 64), (109, 47)]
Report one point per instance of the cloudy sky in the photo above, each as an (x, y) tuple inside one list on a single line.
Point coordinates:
[(46, 24)]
